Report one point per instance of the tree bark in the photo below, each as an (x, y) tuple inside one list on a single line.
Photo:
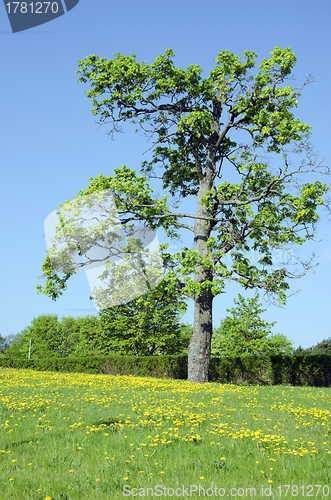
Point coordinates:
[(200, 343)]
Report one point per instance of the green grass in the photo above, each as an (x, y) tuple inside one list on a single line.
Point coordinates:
[(81, 436)]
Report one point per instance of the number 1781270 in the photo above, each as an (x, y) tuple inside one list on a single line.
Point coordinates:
[(32, 7)]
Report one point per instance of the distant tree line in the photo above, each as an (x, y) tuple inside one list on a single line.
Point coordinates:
[(150, 326), (146, 326), (323, 347)]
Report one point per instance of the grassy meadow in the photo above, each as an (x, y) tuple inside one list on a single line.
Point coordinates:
[(82, 436)]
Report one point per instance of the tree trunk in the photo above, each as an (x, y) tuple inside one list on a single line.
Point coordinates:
[(200, 343)]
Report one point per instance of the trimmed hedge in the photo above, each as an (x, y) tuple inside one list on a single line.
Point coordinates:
[(294, 369)]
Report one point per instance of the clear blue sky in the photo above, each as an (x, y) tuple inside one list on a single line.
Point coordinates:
[(51, 145)]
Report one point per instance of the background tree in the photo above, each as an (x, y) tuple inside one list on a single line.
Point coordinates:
[(146, 326), (245, 332), (68, 332), (279, 344), (255, 207), (44, 339), (53, 338)]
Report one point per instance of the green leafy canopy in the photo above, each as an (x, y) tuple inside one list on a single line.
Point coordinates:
[(195, 108)]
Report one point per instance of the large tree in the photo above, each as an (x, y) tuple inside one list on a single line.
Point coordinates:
[(252, 208)]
